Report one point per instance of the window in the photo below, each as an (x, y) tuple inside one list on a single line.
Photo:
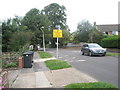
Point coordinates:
[(115, 32)]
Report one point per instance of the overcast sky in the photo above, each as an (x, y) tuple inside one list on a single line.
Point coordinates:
[(99, 11)]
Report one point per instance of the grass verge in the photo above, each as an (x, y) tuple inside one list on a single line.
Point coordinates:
[(57, 64), (45, 55), (90, 85), (113, 54)]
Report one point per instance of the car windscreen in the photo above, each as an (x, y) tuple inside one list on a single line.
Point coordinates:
[(94, 46)]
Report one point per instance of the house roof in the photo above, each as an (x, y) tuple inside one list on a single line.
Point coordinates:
[(108, 27)]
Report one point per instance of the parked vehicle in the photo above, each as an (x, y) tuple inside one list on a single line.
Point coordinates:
[(93, 49)]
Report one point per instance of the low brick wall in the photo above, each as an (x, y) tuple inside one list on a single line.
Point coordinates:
[(20, 62)]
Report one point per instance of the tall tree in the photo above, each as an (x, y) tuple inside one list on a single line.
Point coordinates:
[(6, 34), (83, 30), (19, 40), (56, 14), (10, 27), (87, 33), (38, 24)]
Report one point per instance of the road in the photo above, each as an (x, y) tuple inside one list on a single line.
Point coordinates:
[(101, 68)]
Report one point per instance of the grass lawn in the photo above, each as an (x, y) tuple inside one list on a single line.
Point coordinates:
[(113, 54), (57, 64), (90, 85), (45, 55)]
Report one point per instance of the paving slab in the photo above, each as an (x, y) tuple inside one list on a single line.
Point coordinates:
[(62, 77), (41, 80), (25, 80), (12, 75)]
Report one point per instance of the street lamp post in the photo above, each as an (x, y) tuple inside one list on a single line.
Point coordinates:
[(43, 38)]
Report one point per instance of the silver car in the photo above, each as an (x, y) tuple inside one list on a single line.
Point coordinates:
[(93, 49)]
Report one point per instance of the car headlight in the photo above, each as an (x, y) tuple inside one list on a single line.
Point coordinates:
[(105, 49)]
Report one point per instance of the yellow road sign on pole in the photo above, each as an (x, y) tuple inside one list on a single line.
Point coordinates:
[(57, 33)]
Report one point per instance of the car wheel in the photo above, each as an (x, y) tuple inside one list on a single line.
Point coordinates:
[(90, 53), (103, 55), (82, 53)]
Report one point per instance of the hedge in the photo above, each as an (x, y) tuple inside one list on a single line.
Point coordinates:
[(111, 42)]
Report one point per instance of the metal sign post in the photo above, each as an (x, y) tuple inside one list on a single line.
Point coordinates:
[(57, 47), (57, 34)]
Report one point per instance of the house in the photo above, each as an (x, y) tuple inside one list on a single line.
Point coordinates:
[(109, 29)]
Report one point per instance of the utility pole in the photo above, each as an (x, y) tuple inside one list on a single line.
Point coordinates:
[(43, 38)]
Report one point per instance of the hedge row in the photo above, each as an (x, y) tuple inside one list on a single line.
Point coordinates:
[(111, 42)]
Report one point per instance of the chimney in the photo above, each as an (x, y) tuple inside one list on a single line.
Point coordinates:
[(95, 24)]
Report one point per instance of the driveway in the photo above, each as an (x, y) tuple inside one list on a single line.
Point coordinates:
[(101, 68)]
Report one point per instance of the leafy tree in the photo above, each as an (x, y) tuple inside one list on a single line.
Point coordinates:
[(74, 38), (56, 14), (20, 39), (9, 27), (65, 39), (38, 23), (6, 35), (95, 36), (87, 33), (83, 29)]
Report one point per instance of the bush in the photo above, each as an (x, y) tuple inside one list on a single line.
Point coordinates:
[(12, 64), (111, 42)]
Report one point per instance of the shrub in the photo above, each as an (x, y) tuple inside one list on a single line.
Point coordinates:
[(12, 64), (111, 42)]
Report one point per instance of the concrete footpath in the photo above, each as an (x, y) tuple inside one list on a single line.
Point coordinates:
[(32, 77), (39, 76)]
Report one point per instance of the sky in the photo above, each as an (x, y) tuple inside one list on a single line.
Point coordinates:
[(99, 11)]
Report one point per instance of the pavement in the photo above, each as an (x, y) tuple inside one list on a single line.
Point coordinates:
[(39, 76), (32, 77)]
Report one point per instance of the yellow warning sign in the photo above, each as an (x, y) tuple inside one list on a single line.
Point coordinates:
[(57, 33)]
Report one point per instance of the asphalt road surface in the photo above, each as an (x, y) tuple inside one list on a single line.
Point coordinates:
[(102, 68)]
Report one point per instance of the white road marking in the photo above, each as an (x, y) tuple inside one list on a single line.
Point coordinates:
[(73, 57), (81, 60), (76, 61), (76, 51)]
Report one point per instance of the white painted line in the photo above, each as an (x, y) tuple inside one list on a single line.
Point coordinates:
[(76, 51), (81, 60), (73, 57)]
